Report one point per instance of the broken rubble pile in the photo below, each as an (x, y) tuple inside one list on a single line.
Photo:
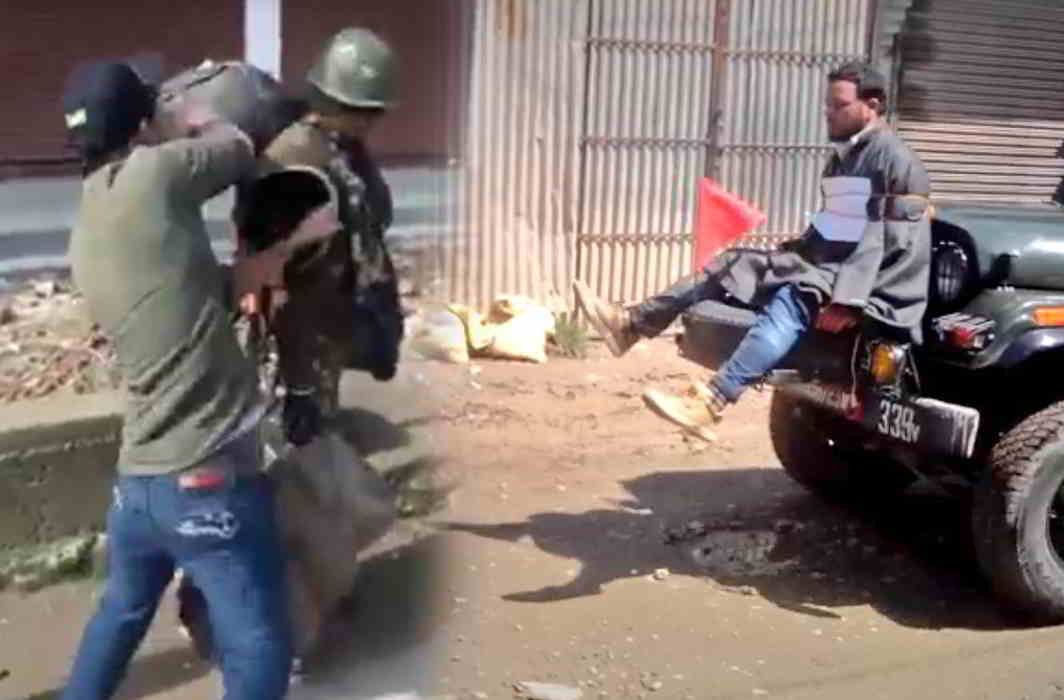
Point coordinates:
[(47, 345), (45, 364)]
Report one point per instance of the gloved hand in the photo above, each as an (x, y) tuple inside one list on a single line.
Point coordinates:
[(301, 416)]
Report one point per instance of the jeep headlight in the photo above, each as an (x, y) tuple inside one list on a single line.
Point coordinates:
[(950, 268)]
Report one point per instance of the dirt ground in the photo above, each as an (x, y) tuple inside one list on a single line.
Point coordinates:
[(571, 489), (550, 563)]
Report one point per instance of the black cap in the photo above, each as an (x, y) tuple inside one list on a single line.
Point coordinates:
[(104, 105)]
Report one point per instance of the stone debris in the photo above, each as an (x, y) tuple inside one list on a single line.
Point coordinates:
[(47, 289), (47, 345), (33, 568), (46, 365), (650, 683), (533, 690)]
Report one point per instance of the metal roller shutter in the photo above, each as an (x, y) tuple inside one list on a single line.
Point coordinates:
[(981, 97), (43, 41)]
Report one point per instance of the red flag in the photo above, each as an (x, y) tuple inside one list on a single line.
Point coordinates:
[(720, 218)]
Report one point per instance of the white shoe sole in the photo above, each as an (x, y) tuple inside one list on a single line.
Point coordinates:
[(581, 291), (660, 404)]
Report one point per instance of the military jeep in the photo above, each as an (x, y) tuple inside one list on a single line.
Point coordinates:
[(979, 403)]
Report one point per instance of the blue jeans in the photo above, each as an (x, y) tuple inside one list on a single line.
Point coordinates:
[(779, 326), (226, 537)]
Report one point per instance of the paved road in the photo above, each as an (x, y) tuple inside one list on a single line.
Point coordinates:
[(36, 216)]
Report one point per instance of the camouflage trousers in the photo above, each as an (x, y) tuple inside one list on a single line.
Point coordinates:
[(315, 330)]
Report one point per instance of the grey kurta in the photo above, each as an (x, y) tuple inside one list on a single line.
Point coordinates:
[(885, 271)]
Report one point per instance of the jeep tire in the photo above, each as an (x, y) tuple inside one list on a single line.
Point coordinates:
[(819, 450), (1017, 510)]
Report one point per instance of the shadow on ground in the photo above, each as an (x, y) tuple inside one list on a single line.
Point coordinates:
[(382, 639), (150, 674), (371, 432), (909, 557), (379, 640)]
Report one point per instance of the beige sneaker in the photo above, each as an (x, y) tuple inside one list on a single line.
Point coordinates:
[(714, 406), (611, 321), (693, 416)]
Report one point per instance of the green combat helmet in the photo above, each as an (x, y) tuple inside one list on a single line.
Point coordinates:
[(357, 69)]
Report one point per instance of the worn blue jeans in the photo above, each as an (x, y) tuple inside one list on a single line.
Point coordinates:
[(779, 326), (226, 537)]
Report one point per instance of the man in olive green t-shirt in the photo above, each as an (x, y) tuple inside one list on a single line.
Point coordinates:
[(141, 256), (189, 491)]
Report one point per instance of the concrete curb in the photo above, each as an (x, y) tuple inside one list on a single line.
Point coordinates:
[(57, 457), (27, 425)]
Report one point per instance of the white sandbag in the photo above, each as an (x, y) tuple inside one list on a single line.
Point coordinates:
[(521, 329), (479, 332), (440, 335)]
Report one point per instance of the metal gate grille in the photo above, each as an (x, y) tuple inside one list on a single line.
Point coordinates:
[(592, 121), (773, 137), (982, 99), (515, 200), (677, 89), (646, 129)]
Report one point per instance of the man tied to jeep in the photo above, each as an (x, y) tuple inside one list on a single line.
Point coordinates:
[(866, 253)]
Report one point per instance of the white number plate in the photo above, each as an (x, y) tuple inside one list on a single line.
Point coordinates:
[(898, 421), (935, 426)]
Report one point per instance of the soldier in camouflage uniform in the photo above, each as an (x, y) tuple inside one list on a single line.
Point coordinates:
[(340, 305)]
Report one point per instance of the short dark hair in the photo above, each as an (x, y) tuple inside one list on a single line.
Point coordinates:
[(869, 81)]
